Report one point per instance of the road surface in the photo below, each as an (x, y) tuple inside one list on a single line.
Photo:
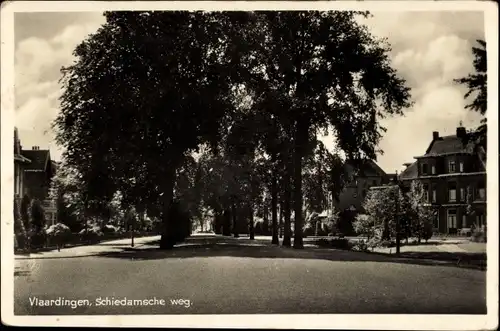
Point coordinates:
[(220, 275)]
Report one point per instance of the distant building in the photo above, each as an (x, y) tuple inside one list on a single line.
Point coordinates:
[(364, 177), (33, 172), (453, 174), (20, 163)]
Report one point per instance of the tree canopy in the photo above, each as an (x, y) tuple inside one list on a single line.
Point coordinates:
[(148, 89)]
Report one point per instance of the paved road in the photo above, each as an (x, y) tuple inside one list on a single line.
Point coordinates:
[(217, 275)]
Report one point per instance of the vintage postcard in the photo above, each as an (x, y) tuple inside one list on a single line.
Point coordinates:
[(281, 164)]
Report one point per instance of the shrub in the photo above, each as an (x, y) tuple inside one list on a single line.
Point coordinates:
[(360, 245), (38, 237), (59, 234), (108, 228), (37, 215), (479, 236), (19, 230), (341, 243), (308, 232), (92, 234)]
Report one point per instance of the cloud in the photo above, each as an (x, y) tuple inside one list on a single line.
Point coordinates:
[(429, 50), (38, 61)]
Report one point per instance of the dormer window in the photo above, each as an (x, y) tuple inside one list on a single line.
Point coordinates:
[(451, 166), (425, 169)]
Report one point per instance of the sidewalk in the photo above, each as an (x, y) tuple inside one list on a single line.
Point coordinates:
[(89, 250)]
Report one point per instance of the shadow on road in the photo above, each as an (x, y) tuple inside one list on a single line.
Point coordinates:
[(213, 246)]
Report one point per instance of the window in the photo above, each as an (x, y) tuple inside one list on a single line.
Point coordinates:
[(482, 193), (480, 220), (461, 165), (425, 169), (462, 194), (426, 193), (374, 182), (433, 169), (434, 194), (452, 192), (464, 221), (452, 219), (451, 166)]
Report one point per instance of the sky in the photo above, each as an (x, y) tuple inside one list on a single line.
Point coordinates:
[(429, 50)]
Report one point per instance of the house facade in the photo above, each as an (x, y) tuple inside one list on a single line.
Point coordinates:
[(453, 174), (20, 163), (364, 177), (33, 172)]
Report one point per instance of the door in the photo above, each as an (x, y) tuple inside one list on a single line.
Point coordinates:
[(452, 221)]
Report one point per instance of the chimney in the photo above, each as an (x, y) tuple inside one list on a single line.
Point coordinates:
[(435, 135), (461, 132)]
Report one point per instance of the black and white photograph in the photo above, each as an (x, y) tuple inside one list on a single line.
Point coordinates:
[(250, 164)]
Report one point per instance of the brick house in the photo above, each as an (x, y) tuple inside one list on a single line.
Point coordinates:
[(20, 163), (33, 172), (453, 174), (367, 175)]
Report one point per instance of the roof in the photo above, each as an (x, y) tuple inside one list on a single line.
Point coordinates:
[(39, 158), (367, 168), (448, 145), (19, 157), (410, 172)]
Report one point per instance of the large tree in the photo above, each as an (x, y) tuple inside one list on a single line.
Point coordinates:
[(147, 88), (476, 84), (337, 76)]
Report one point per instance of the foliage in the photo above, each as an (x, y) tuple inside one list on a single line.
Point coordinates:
[(476, 83), (479, 235), (255, 88), (19, 230), (92, 233), (364, 225), (360, 245), (37, 215), (59, 234), (422, 213), (338, 243), (25, 212)]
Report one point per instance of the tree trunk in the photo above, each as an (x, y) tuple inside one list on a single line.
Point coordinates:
[(266, 219), (235, 220), (274, 206), (287, 190), (250, 225), (280, 226), (300, 137), (226, 223), (167, 240), (287, 212)]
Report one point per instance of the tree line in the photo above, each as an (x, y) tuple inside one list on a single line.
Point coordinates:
[(222, 110)]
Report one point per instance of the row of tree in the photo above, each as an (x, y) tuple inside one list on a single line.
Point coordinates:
[(252, 89)]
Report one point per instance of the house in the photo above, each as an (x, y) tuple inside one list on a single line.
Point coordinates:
[(453, 174), (364, 176), (20, 163), (33, 172)]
